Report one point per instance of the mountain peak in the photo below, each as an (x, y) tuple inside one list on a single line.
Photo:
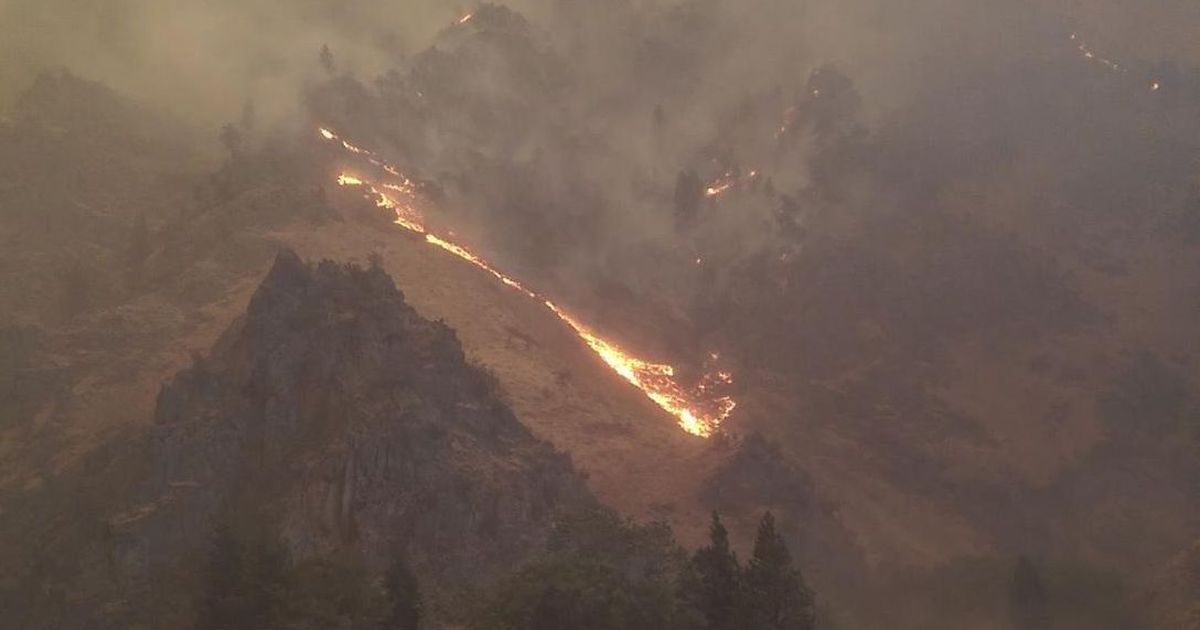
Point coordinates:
[(342, 417)]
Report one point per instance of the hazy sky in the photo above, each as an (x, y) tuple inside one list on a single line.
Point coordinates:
[(202, 60)]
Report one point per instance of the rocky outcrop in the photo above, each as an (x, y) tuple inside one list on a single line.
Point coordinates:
[(1174, 601), (338, 415)]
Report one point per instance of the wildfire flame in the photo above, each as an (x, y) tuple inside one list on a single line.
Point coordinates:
[(698, 411), (1090, 54), (718, 188), (726, 182), (789, 118)]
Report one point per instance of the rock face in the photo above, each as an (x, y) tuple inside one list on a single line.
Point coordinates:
[(337, 414), (1174, 601)]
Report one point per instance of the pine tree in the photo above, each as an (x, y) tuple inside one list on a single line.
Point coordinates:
[(787, 217), (686, 614), (405, 594), (689, 195), (1029, 606), (246, 585), (326, 59), (719, 584), (231, 139), (221, 605), (266, 581), (776, 595), (659, 117), (553, 611)]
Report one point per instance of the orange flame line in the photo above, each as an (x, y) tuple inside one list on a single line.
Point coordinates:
[(655, 380)]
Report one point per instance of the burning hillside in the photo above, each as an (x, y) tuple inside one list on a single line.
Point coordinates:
[(946, 249), (699, 409)]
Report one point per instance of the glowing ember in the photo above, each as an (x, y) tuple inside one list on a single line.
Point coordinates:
[(405, 188), (789, 118), (717, 189), (466, 255), (726, 182), (352, 148), (698, 412), (656, 380), (1091, 55)]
